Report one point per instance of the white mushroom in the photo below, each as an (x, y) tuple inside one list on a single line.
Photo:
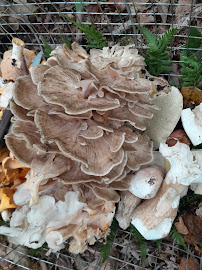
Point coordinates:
[(17, 52), (147, 181), (153, 218), (192, 123)]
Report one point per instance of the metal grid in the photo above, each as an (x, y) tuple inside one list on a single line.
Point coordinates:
[(32, 19), (15, 257)]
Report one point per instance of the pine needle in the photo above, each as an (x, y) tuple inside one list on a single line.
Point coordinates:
[(157, 58), (95, 39)]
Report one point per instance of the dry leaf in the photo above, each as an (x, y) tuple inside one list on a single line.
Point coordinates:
[(178, 135), (120, 7), (6, 197), (181, 228), (189, 264), (91, 8), (191, 95), (194, 226)]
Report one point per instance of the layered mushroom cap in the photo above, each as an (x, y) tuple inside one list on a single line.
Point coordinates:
[(74, 108)]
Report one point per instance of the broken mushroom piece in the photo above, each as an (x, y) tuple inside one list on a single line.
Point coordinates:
[(186, 167), (16, 62), (146, 182), (192, 123), (165, 119)]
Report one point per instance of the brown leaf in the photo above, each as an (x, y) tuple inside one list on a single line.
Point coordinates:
[(120, 7), (189, 264), (91, 8), (191, 95), (181, 228), (194, 226)]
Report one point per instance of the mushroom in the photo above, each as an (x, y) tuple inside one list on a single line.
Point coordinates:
[(69, 116), (126, 206), (191, 121), (146, 182), (153, 218)]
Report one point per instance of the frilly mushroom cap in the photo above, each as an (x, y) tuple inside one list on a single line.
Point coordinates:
[(76, 108)]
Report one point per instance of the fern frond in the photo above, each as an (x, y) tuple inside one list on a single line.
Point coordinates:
[(95, 39), (105, 249), (167, 38), (157, 58), (150, 38), (178, 237)]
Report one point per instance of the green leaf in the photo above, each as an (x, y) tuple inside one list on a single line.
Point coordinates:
[(105, 249), (48, 49), (79, 5), (178, 237), (39, 251), (95, 39)]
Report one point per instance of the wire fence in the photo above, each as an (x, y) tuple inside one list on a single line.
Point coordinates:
[(124, 255), (30, 20)]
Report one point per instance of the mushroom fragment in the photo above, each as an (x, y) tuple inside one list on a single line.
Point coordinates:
[(16, 62), (191, 121)]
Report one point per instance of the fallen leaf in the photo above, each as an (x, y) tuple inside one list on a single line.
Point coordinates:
[(181, 228), (178, 135), (120, 7), (194, 226), (189, 264), (91, 8), (191, 96), (6, 197), (4, 152)]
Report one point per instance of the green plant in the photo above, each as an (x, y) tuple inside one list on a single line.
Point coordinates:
[(47, 48), (191, 67), (140, 240), (95, 39), (178, 237), (156, 57), (105, 248), (79, 5), (67, 43), (40, 252)]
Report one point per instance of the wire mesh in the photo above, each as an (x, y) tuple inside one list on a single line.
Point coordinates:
[(30, 20)]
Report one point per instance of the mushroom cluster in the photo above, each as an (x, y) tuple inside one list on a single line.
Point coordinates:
[(73, 111), (78, 124), (82, 123)]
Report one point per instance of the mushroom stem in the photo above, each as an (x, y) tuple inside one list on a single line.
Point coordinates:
[(17, 52)]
